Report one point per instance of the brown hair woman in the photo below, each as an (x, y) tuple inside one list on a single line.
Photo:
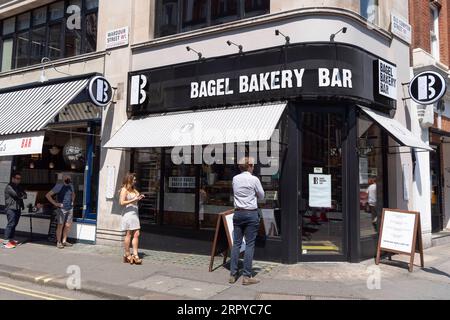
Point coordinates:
[(129, 198)]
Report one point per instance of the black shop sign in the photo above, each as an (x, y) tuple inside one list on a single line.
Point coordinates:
[(318, 71)]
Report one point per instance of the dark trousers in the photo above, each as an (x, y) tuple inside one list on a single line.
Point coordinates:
[(246, 224), (13, 217)]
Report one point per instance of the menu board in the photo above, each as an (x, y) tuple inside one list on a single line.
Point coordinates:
[(398, 231), (401, 233)]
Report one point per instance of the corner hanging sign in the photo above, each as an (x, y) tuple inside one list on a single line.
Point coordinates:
[(427, 88), (387, 79), (100, 91)]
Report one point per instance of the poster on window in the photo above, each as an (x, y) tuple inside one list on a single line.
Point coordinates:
[(320, 191)]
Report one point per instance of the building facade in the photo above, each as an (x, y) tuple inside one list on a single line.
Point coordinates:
[(431, 52), (313, 87)]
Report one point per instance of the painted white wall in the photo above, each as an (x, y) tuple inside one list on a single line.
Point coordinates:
[(422, 178)]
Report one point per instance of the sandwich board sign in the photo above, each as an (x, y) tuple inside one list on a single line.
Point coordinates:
[(223, 238), (400, 233)]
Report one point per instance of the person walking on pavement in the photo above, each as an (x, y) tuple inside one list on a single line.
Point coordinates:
[(14, 196), (129, 199), (247, 189), (65, 196)]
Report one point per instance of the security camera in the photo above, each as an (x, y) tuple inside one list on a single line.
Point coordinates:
[(229, 42)]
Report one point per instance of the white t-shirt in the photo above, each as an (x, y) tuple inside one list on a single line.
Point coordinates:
[(372, 192)]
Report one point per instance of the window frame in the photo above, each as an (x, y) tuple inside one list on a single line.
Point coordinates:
[(241, 14), (434, 33), (62, 21)]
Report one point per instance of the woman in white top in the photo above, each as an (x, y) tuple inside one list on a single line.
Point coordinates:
[(129, 198)]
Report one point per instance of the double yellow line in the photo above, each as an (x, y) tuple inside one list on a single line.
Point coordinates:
[(31, 293)]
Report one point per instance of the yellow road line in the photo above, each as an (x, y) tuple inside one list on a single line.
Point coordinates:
[(32, 293)]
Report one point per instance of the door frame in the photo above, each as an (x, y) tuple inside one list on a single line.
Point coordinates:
[(350, 236)]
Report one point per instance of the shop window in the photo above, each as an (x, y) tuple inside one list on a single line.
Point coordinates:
[(91, 4), (224, 11), (65, 151), (90, 43), (256, 7), (54, 41), (369, 10), (23, 50), (39, 16), (7, 54), (23, 21), (371, 183), (194, 14), (184, 15), (72, 43), (195, 194), (38, 45), (9, 26), (61, 29), (56, 10)]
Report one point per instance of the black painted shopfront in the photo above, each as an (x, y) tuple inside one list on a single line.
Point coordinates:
[(323, 132)]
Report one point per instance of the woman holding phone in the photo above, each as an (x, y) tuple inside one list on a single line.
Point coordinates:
[(129, 199)]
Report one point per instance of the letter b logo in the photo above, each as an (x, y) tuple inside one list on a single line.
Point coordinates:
[(138, 94)]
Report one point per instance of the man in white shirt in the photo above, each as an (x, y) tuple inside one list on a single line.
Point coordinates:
[(372, 201), (247, 189)]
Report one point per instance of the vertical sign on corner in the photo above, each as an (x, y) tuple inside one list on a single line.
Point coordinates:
[(387, 79)]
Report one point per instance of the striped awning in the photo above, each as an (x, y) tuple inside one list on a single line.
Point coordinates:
[(30, 110), (205, 127)]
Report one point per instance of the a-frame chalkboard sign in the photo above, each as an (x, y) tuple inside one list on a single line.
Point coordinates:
[(400, 233), (223, 238)]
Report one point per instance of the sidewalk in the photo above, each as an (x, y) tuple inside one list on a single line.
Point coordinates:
[(166, 275)]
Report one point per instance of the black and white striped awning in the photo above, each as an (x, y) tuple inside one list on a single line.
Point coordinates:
[(30, 110)]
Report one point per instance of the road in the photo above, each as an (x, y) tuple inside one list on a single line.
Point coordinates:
[(17, 290)]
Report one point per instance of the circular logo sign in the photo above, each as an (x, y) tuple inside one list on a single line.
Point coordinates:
[(100, 91), (427, 87)]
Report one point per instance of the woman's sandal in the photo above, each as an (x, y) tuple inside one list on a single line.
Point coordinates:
[(137, 260), (128, 259)]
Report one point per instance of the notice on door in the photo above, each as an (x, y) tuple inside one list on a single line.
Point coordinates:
[(319, 191)]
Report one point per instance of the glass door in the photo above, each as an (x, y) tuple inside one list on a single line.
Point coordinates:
[(437, 219), (322, 215)]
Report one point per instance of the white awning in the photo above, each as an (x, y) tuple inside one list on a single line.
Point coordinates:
[(21, 144), (205, 127), (30, 110), (396, 130)]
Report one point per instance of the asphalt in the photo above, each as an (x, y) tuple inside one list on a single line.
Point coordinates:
[(168, 276)]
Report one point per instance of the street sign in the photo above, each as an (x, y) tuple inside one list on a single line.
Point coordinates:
[(100, 91), (427, 88)]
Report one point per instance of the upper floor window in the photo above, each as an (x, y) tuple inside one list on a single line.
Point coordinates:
[(58, 30), (369, 10), (175, 16), (434, 31)]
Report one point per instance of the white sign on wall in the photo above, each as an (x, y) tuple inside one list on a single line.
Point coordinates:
[(401, 28), (110, 182), (319, 191), (117, 38), (24, 144), (398, 231), (387, 79)]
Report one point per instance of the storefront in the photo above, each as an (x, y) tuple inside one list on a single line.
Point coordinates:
[(48, 130), (310, 113)]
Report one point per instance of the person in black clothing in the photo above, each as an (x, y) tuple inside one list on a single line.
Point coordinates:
[(14, 196)]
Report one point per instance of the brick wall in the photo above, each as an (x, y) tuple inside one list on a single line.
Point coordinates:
[(420, 19)]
